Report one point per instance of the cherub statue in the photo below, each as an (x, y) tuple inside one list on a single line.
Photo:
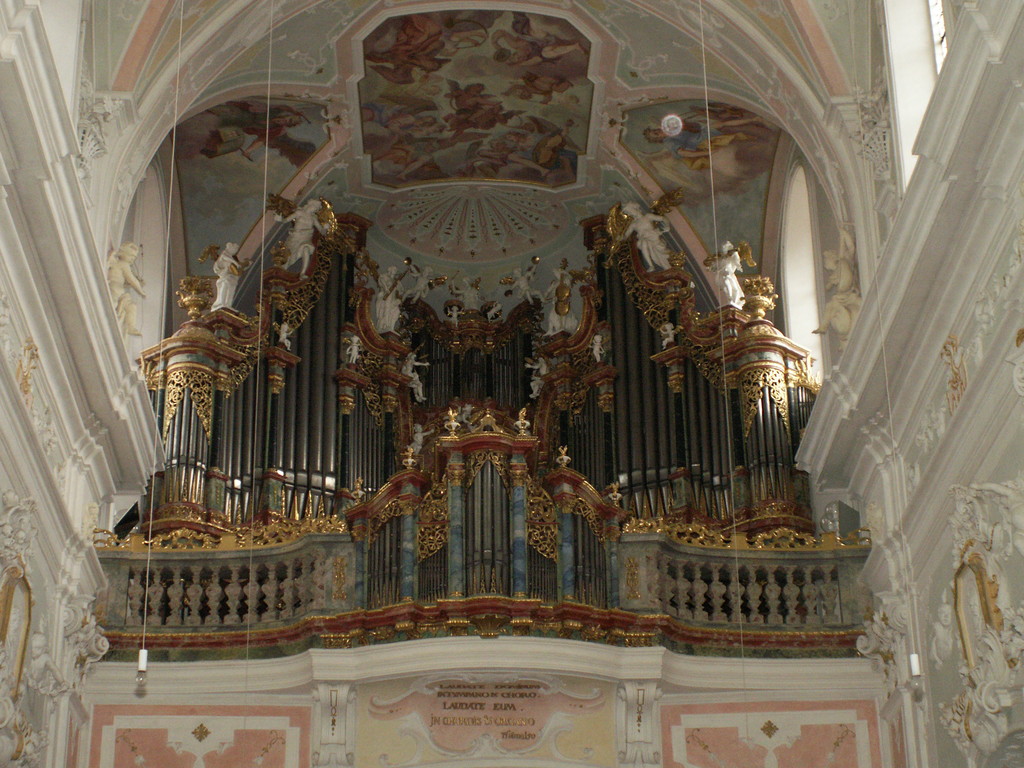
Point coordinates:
[(415, 383), (540, 368), (418, 437), (453, 311), (650, 238), (492, 311), (843, 305), (467, 291), (563, 456), (668, 335), (228, 268), (520, 283), (597, 346), (299, 242), (284, 335), (466, 414), (423, 285), (358, 493), (387, 301), (120, 278), (43, 675), (355, 349)]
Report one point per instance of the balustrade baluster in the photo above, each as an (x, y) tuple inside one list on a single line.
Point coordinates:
[(700, 589), (175, 593), (194, 597), (135, 593), (252, 596), (685, 607), (791, 593), (717, 590), (288, 590), (830, 612), (812, 598), (772, 592), (270, 596), (214, 595), (233, 590), (155, 596), (735, 592), (754, 591)]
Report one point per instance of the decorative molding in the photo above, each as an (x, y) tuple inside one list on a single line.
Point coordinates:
[(885, 630), (17, 530), (635, 713)]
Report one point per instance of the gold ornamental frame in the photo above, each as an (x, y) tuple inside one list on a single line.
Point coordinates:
[(15, 627)]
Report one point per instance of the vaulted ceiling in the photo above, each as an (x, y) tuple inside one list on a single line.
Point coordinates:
[(476, 135)]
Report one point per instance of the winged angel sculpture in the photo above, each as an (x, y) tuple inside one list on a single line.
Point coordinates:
[(629, 219), (315, 215)]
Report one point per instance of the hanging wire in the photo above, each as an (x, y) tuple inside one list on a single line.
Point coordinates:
[(158, 439), (731, 462), (250, 602)]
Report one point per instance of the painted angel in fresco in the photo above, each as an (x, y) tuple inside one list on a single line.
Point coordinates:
[(523, 46), (533, 84), (474, 109), (246, 126), (417, 44)]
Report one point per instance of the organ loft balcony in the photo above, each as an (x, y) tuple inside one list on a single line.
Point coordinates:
[(380, 453)]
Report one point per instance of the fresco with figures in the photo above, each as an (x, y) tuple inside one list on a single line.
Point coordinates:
[(220, 158), (475, 95), (734, 143)]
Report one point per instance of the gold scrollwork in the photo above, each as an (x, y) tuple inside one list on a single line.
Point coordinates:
[(588, 513), (394, 508), (477, 459), (632, 578), (198, 382), (541, 523), (340, 591), (752, 381)]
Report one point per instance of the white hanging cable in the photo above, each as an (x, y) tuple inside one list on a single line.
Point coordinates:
[(731, 452), (143, 665), (250, 611)]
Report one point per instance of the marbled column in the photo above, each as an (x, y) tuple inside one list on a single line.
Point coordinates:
[(359, 588), (612, 549), (518, 540), (566, 570), (408, 556), (456, 528)]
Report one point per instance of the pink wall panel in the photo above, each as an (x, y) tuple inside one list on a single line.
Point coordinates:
[(843, 734)]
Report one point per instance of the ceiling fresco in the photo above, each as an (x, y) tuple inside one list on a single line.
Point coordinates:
[(220, 157), (486, 95), (738, 145)]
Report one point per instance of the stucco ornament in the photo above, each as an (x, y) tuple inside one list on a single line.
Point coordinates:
[(988, 532), (885, 629), (17, 529)]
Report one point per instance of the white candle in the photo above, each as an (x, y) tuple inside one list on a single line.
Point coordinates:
[(915, 665), (143, 659)]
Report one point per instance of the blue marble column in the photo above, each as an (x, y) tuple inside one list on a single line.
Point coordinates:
[(566, 563), (359, 589), (518, 538), (408, 556), (456, 528)]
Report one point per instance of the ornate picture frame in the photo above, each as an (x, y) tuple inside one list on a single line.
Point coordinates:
[(15, 624), (974, 604)]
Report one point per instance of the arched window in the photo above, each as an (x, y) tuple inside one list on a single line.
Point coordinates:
[(799, 279)]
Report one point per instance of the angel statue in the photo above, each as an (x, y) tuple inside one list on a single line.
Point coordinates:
[(540, 369), (519, 283), (312, 216), (725, 265), (419, 435), (228, 268), (415, 383), (843, 305), (559, 293), (387, 302), (120, 278), (650, 237)]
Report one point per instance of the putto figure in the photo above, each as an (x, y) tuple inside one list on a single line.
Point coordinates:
[(228, 268), (122, 280)]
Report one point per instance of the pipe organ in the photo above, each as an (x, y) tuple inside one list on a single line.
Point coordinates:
[(471, 452)]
